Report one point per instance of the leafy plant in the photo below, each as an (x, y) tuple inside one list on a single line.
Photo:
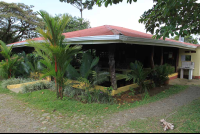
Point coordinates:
[(132, 91), (86, 95), (88, 70), (29, 64), (160, 75), (138, 75), (7, 66), (32, 64)]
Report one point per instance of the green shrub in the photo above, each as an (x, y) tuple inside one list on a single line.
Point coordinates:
[(138, 74), (38, 86), (160, 74), (86, 96), (13, 81)]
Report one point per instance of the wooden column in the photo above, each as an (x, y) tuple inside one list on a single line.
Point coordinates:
[(151, 58), (161, 56), (111, 63), (177, 60)]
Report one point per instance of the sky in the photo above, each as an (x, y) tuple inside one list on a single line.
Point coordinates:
[(122, 14)]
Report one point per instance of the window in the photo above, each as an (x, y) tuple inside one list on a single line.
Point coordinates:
[(185, 57), (193, 51), (188, 58), (187, 51)]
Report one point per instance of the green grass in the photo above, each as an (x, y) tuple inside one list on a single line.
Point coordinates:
[(46, 100), (185, 120), (93, 113)]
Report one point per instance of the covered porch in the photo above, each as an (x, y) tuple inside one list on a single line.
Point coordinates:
[(117, 47)]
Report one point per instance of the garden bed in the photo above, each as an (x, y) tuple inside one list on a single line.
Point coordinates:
[(127, 97)]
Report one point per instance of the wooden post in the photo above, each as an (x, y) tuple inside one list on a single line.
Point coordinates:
[(161, 57), (111, 57), (151, 58), (177, 60)]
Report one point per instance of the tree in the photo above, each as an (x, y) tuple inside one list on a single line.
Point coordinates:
[(180, 17), (17, 22), (7, 66), (188, 39), (75, 24), (79, 4), (56, 55)]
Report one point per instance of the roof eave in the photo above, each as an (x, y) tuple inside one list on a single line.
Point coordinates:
[(154, 42), (106, 39), (102, 39)]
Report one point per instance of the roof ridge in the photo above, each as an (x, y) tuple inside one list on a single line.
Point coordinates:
[(114, 31)]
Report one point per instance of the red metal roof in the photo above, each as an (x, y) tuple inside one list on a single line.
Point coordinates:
[(109, 30)]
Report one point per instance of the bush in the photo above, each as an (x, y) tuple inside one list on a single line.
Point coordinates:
[(12, 81), (139, 75), (85, 96), (160, 74), (38, 86)]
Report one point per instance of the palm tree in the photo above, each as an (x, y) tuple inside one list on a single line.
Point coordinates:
[(7, 67), (56, 55)]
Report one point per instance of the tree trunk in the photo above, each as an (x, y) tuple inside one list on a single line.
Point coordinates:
[(112, 66), (56, 85), (161, 57), (177, 60), (151, 60)]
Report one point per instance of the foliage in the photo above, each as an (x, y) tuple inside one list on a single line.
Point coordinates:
[(79, 4), (138, 75), (38, 86), (31, 64), (174, 17), (160, 74), (75, 23), (13, 81), (132, 91), (180, 17), (7, 66), (88, 70), (107, 2), (17, 22), (56, 55), (86, 96), (188, 39)]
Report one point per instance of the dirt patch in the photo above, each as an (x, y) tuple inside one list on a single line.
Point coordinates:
[(129, 97)]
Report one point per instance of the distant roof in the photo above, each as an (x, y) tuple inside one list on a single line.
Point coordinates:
[(107, 30)]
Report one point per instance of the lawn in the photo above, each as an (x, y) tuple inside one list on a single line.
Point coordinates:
[(185, 120), (46, 100)]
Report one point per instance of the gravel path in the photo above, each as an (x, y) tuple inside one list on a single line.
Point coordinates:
[(13, 120), (16, 117), (161, 107)]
